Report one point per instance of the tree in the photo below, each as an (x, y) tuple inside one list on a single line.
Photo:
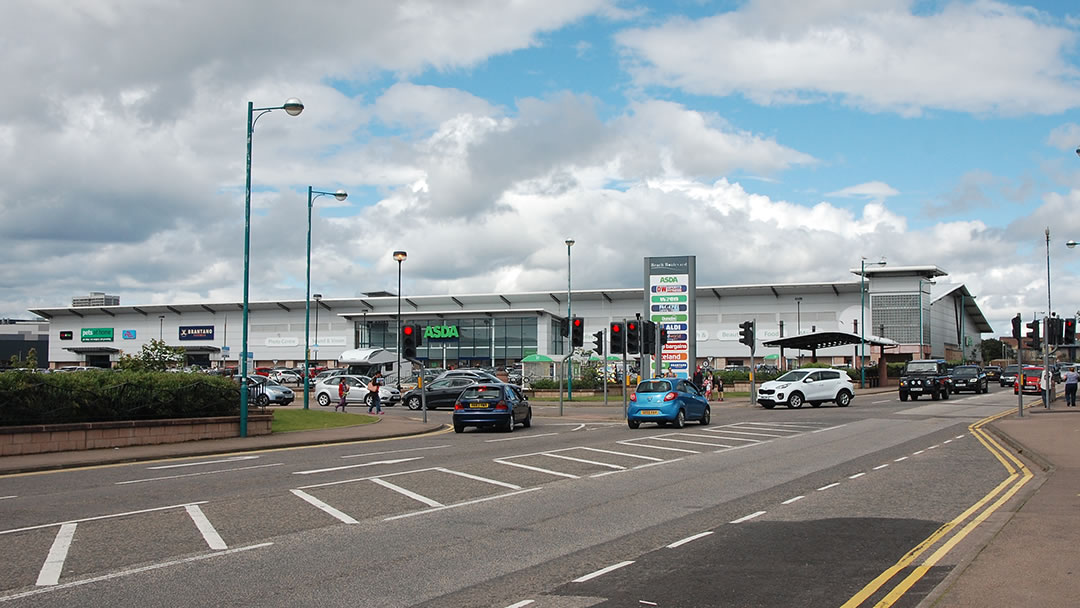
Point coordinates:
[(30, 361), (154, 356), (992, 349)]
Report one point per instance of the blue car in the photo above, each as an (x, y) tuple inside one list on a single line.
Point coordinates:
[(667, 400), (492, 405)]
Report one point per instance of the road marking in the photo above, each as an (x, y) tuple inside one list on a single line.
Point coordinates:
[(856, 475), (197, 464), (917, 453), (54, 563), (478, 478), (879, 402), (634, 442), (433, 447), (537, 469), (948, 441), (199, 474), (520, 604), (520, 437), (719, 436), (880, 466), (356, 466), (669, 439), (933, 447), (578, 428), (688, 539), (210, 535), (636, 467), (756, 434), (122, 573), (628, 455), (7, 497), (601, 572), (338, 515), (460, 504), (79, 521), (831, 485), (829, 428), (791, 500), (747, 517), (413, 495), (958, 437), (901, 459), (583, 461)]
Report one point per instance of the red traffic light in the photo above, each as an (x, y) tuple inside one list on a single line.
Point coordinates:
[(407, 330), (631, 325), (615, 328), (577, 321)]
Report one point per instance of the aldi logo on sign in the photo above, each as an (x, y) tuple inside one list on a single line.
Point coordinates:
[(441, 332)]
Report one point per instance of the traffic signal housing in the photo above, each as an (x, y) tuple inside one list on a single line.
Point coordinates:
[(618, 337), (633, 337), (663, 336), (746, 333), (1054, 329), (1033, 334), (564, 327), (1070, 332), (598, 343), (577, 332), (411, 335), (648, 337), (1017, 332)]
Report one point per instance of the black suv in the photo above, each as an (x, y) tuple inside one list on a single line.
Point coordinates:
[(925, 377), (970, 378)]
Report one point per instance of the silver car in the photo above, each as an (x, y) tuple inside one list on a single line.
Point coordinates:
[(263, 391), (326, 391)]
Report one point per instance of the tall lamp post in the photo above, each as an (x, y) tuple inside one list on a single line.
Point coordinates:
[(161, 328), (570, 330), (399, 257), (862, 320), (293, 107), (339, 195)]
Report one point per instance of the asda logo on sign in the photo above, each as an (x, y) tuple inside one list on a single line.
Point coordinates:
[(441, 332)]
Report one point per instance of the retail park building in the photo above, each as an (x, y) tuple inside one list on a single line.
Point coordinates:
[(909, 309)]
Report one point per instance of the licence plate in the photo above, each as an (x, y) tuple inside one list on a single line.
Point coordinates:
[(649, 412), (478, 405), (916, 389)]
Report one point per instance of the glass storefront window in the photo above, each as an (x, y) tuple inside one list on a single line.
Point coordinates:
[(514, 339)]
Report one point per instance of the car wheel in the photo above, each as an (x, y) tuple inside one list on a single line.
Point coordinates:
[(903, 396), (795, 401), (843, 399), (323, 399), (945, 393), (680, 420), (706, 416), (509, 426), (935, 395), (528, 419), (413, 403), (633, 424), (369, 400), (815, 404), (262, 400), (459, 428)]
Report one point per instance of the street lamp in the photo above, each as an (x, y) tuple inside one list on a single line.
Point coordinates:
[(1046, 324), (293, 107), (862, 320), (161, 328), (570, 330), (339, 195), (399, 256)]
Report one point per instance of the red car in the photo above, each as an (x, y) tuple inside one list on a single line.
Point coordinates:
[(1031, 381), (263, 371)]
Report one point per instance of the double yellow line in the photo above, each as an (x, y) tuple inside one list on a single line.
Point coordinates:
[(1019, 475)]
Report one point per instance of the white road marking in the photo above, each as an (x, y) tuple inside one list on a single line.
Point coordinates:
[(856, 475), (413, 495), (199, 474), (433, 447), (634, 468), (210, 535), (78, 521), (688, 539), (601, 572), (634, 442), (578, 428), (791, 500), (880, 466), (669, 439), (520, 604), (122, 573), (318, 504), (478, 478), (747, 517), (831, 485), (901, 459), (719, 436), (196, 464), (878, 402), (755, 434), (828, 428), (54, 563), (7, 497), (917, 453), (537, 469), (583, 461), (627, 454), (948, 441), (461, 504), (356, 466), (520, 437), (781, 425), (958, 437), (933, 447)]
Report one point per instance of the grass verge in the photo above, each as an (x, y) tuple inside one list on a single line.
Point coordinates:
[(286, 420)]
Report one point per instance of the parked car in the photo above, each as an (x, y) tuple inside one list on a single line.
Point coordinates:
[(326, 373), (667, 400), (263, 371), (1029, 381), (496, 404), (993, 373), (969, 378), (326, 391), (262, 391), (1009, 374), (811, 385), (925, 377), (287, 376), (475, 374), (439, 393)]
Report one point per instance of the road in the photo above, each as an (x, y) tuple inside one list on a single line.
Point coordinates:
[(785, 507)]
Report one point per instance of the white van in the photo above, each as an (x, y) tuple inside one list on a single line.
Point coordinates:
[(367, 361)]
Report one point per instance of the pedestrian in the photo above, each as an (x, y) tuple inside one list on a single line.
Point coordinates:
[(720, 387), (373, 390), (699, 378), (708, 387), (342, 391), (1071, 380)]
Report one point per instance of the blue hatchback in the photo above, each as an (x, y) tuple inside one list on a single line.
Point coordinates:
[(667, 400)]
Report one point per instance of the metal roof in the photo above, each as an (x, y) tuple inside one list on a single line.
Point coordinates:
[(828, 339)]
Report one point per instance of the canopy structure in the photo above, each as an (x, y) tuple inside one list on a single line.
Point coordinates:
[(829, 339), (537, 358)]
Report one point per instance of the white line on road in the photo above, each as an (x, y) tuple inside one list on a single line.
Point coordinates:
[(54, 563), (958, 437), (196, 464), (537, 469), (210, 535), (688, 539), (901, 459), (747, 517), (461, 504), (520, 604), (879, 402), (199, 474), (791, 500), (829, 428), (478, 478), (856, 475), (756, 434), (933, 447), (114, 575), (601, 572), (917, 453), (318, 504), (831, 485), (433, 447), (948, 441), (519, 437), (627, 454), (880, 466), (356, 466), (7, 497), (583, 461), (634, 442), (78, 521), (413, 495), (578, 428)]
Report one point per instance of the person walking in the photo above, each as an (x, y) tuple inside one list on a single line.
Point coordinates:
[(1072, 379), (720, 387), (342, 391), (373, 390), (708, 387)]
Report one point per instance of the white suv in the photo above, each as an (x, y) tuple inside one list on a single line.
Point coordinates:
[(812, 385)]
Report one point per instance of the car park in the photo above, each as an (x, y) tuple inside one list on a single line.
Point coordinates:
[(497, 405), (262, 391), (1008, 375), (439, 393), (969, 378), (925, 377), (326, 391), (993, 373), (807, 385), (666, 401)]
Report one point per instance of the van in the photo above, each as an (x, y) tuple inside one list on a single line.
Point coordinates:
[(367, 361)]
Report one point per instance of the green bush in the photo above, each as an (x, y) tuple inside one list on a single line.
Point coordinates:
[(544, 384)]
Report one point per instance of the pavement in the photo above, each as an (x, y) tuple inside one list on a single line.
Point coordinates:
[(1028, 555)]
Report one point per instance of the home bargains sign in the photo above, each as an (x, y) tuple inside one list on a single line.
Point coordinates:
[(441, 332)]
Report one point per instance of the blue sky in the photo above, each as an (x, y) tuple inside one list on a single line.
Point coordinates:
[(784, 139)]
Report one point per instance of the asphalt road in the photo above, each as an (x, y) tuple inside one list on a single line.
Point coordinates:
[(785, 507)]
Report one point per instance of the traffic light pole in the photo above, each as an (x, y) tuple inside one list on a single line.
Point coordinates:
[(603, 333), (1046, 362), (562, 370), (420, 383), (625, 373), (1019, 372)]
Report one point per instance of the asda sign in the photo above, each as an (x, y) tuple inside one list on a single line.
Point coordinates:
[(441, 332)]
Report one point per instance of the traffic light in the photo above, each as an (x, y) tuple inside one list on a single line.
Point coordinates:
[(1033, 334), (411, 335), (663, 336), (1070, 332), (648, 338), (1016, 323), (746, 333), (564, 327), (618, 338), (577, 332), (633, 337), (1054, 328), (598, 343)]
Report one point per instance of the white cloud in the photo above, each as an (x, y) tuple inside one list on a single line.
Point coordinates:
[(1065, 137), (873, 191)]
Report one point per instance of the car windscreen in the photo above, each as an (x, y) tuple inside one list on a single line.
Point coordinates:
[(794, 376), (481, 393), (965, 372), (923, 367), (654, 386)]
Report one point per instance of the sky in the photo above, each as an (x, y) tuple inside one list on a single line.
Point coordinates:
[(778, 141)]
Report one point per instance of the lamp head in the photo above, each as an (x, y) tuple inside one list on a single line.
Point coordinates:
[(1078, 151), (1070, 244), (317, 296), (400, 256), (569, 242), (293, 106), (341, 195)]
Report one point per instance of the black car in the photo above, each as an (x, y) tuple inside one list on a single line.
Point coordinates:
[(492, 405), (925, 377), (438, 393), (969, 378), (993, 373), (1009, 374)]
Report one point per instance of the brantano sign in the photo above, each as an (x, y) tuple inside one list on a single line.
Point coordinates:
[(441, 332)]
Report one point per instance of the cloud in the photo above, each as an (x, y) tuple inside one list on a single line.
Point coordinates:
[(1065, 137), (872, 191)]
